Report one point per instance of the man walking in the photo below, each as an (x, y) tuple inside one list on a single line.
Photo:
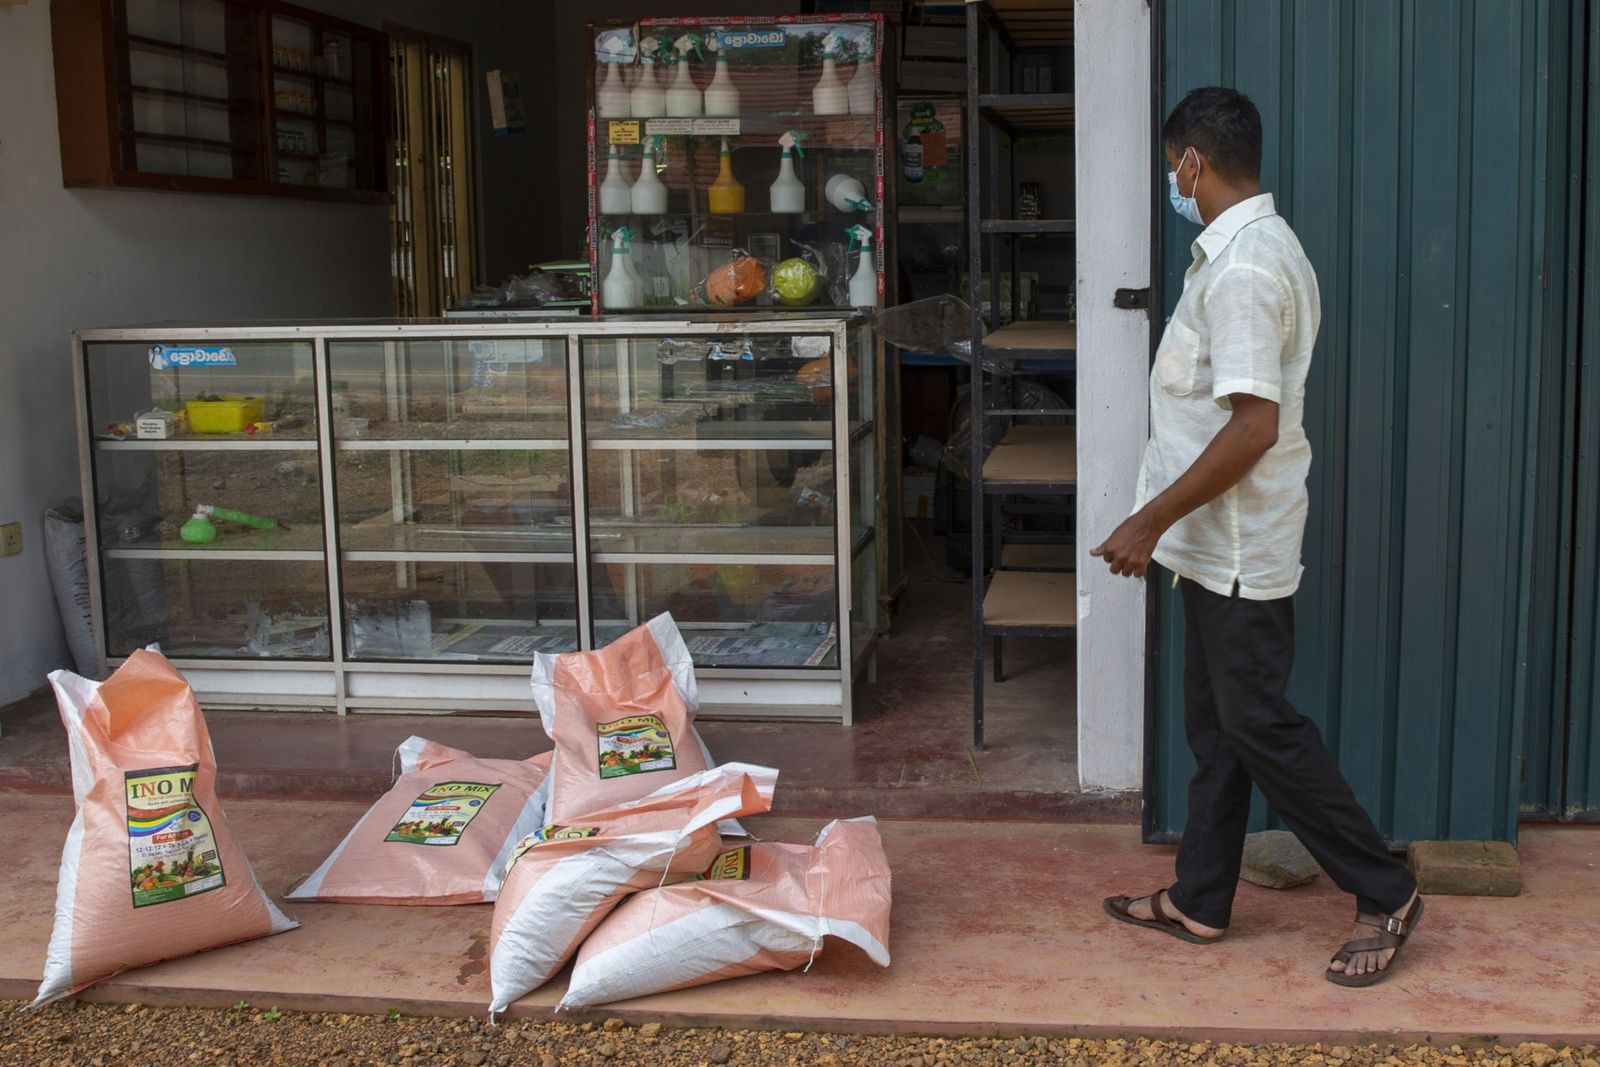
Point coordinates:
[(1222, 504)]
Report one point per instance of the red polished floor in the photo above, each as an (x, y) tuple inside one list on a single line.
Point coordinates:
[(997, 929)]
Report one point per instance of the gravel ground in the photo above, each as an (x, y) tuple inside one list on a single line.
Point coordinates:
[(93, 1035)]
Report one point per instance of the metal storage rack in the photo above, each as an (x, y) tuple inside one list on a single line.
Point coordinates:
[(1032, 591), (436, 527)]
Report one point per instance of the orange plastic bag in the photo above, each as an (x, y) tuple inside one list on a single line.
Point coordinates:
[(758, 907), (621, 717), (150, 870), (563, 880), (441, 835)]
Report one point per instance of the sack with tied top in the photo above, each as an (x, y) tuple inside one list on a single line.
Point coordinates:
[(759, 907), (621, 717), (150, 870), (441, 835), (564, 879)]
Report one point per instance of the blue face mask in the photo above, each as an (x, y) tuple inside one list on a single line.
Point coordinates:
[(1186, 206)]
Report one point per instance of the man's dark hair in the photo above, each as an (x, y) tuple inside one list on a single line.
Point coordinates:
[(1222, 125)]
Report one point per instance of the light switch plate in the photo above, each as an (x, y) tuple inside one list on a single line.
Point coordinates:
[(11, 539)]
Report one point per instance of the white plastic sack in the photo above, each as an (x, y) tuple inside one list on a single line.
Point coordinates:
[(757, 907), (564, 879)]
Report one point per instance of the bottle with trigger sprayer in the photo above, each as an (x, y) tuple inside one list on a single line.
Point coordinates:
[(726, 194), (615, 199), (788, 192), (721, 96), (647, 99), (864, 282), (828, 96), (683, 95), (649, 195), (619, 288)]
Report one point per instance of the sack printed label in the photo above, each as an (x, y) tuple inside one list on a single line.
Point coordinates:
[(550, 833), (732, 865), (171, 851), (165, 357), (441, 815), (637, 744)]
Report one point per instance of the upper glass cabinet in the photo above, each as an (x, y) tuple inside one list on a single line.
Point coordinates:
[(737, 163)]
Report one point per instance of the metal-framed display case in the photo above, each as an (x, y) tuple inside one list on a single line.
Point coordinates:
[(483, 490), (689, 169)]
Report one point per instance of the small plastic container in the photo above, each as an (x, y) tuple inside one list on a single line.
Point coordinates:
[(231, 414)]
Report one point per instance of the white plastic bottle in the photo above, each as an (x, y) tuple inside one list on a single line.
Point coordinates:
[(611, 98), (647, 99), (684, 98), (649, 196), (617, 291), (864, 282), (615, 196), (722, 96), (828, 96), (788, 192), (863, 91)]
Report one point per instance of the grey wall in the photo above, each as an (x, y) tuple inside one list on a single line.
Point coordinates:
[(79, 258)]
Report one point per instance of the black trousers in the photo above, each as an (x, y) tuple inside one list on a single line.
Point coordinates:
[(1237, 657)]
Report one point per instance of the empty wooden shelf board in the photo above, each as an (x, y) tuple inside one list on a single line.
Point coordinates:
[(1030, 601)]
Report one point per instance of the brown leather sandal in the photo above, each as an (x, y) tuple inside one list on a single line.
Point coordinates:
[(1119, 908), (1393, 932)]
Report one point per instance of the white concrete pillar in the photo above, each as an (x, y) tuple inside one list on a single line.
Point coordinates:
[(1114, 145)]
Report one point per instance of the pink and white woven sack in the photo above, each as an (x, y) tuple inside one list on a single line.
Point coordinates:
[(758, 907), (564, 879), (441, 835), (150, 870)]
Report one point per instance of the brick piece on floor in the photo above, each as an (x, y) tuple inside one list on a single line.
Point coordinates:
[(1275, 859), (1466, 868)]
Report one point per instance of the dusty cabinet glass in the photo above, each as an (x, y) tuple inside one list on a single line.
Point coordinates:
[(454, 497), (398, 516), (204, 472), (711, 482)]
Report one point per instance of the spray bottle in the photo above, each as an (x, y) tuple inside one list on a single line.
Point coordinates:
[(200, 530), (788, 193), (649, 196), (611, 97), (619, 288), (726, 194), (647, 100), (615, 199), (863, 91), (828, 96), (683, 95), (722, 96), (864, 282)]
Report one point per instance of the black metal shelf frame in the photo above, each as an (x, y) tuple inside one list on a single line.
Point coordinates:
[(994, 112)]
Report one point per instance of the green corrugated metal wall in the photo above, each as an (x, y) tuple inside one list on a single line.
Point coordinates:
[(1408, 143)]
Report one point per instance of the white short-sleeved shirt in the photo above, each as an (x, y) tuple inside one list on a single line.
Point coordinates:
[(1246, 323)]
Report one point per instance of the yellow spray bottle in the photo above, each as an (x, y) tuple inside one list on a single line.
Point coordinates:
[(726, 194)]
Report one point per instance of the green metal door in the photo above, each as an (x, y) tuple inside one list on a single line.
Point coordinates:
[(1564, 745), (1408, 143)]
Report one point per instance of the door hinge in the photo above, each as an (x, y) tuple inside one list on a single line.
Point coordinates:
[(1132, 299)]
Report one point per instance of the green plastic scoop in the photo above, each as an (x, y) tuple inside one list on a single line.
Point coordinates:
[(200, 531)]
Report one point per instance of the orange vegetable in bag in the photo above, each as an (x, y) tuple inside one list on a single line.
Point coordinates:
[(740, 279)]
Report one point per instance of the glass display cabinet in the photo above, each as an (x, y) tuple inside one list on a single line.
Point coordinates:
[(397, 516), (736, 163)]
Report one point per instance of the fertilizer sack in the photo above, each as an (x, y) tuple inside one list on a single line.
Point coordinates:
[(563, 879), (150, 870), (621, 717), (758, 907), (440, 835)]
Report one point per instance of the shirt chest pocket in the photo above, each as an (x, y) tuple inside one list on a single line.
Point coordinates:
[(1181, 365)]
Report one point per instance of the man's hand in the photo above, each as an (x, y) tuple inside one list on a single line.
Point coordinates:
[(1127, 551)]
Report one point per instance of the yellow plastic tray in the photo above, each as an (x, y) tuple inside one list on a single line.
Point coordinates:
[(231, 414)]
